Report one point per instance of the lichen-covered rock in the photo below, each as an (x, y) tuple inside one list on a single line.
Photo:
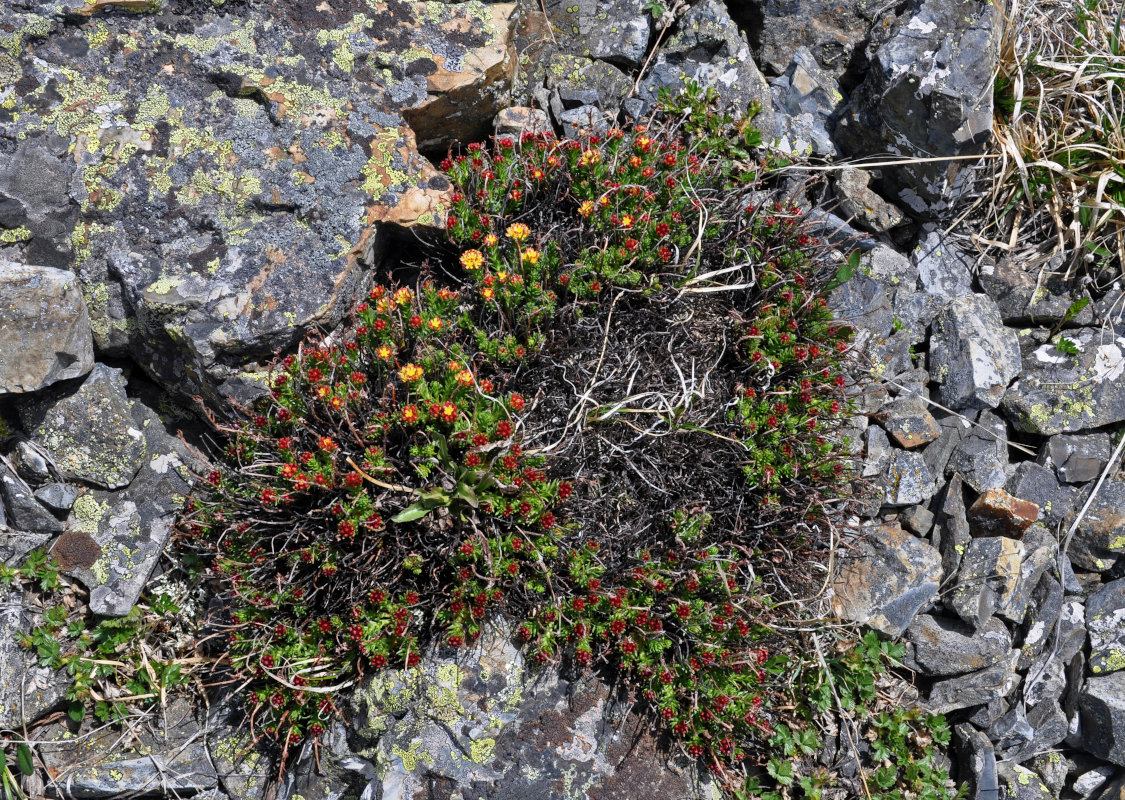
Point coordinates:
[(479, 719), (948, 646), (611, 30), (905, 480), (1022, 783), (226, 167), (1036, 296), (870, 211), (988, 581), (1099, 540), (1102, 706), (908, 421), (168, 756), (44, 327), (1062, 393), (1105, 622), (973, 357), (88, 429), (982, 455), (886, 580), (944, 270), (975, 688), (1056, 502), (804, 99), (928, 94), (830, 30), (27, 689), (862, 303)]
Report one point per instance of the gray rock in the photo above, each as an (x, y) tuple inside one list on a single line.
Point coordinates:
[(905, 480), (582, 121), (1102, 707), (916, 311), (973, 357), (947, 646), (498, 726), (1011, 733), (1105, 622), (708, 47), (943, 269), (804, 98), (886, 580), (981, 456), (975, 688), (1115, 789), (1078, 459), (15, 545), (1059, 393), (952, 535), (1022, 783), (989, 579), (34, 189), (1038, 629), (830, 30), (1091, 781), (1100, 538), (59, 497), (836, 231), (926, 94), (1027, 297), (977, 761), (44, 327), (517, 120), (89, 429), (1053, 769), (890, 267), (859, 203), (1056, 503), (953, 429), (31, 462), (23, 510), (878, 451), (612, 30), (333, 772), (27, 690), (245, 769), (918, 519), (908, 421), (169, 758), (986, 715)]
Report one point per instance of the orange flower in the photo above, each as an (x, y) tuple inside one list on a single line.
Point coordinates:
[(517, 231), (586, 208), (403, 296), (410, 373), (491, 239), (384, 352), (465, 378), (472, 259), (589, 157), (488, 293), (435, 323)]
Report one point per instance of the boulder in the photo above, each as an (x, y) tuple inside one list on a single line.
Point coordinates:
[(973, 357), (944, 270), (997, 513), (804, 99), (611, 30), (1099, 540), (44, 327), (908, 421), (1060, 392), (1032, 296), (975, 688), (886, 580), (831, 31), (982, 455), (940, 646), (927, 94), (1105, 623), (1102, 707), (905, 479)]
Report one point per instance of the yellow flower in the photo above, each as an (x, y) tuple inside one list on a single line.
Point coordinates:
[(589, 157), (502, 275), (384, 352), (627, 221), (487, 293), (323, 391), (491, 240), (586, 209), (603, 201), (435, 323), (465, 378), (530, 255), (472, 259), (404, 296), (454, 366), (410, 373), (517, 231)]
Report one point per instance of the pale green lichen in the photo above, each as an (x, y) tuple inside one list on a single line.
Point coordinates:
[(241, 37), (163, 285), (480, 751), (88, 513), (411, 758), (13, 235)]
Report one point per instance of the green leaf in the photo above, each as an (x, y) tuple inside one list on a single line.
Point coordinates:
[(780, 771), (413, 512), (847, 269), (24, 759), (1065, 345), (466, 493), (1077, 306), (76, 711)]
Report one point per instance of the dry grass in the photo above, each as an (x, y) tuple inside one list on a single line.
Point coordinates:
[(1058, 174)]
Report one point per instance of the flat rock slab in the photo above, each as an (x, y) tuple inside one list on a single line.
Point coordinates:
[(888, 578), (1102, 707), (89, 429), (1063, 393), (224, 167), (973, 357), (975, 688), (948, 646), (44, 327)]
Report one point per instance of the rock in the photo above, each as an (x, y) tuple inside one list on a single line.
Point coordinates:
[(974, 688), (1100, 537), (1012, 732), (927, 94), (610, 30), (1078, 459), (1115, 789), (997, 513), (44, 327), (708, 47), (891, 268), (583, 121), (982, 455), (34, 190), (952, 535), (89, 429), (1056, 503), (887, 580), (905, 479), (244, 769), (915, 311), (466, 90), (331, 772), (27, 690), (859, 203), (1038, 627), (517, 120), (918, 519), (23, 510), (976, 760), (954, 428), (1022, 783), (220, 209), (1105, 622), (30, 462), (986, 715), (804, 98), (1089, 782), (1029, 297), (989, 579), (1053, 769), (943, 269), (973, 357), (1059, 393), (1102, 707), (837, 232), (577, 83), (15, 545), (170, 758), (947, 646), (478, 719), (830, 30), (908, 421), (59, 497), (878, 452)]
